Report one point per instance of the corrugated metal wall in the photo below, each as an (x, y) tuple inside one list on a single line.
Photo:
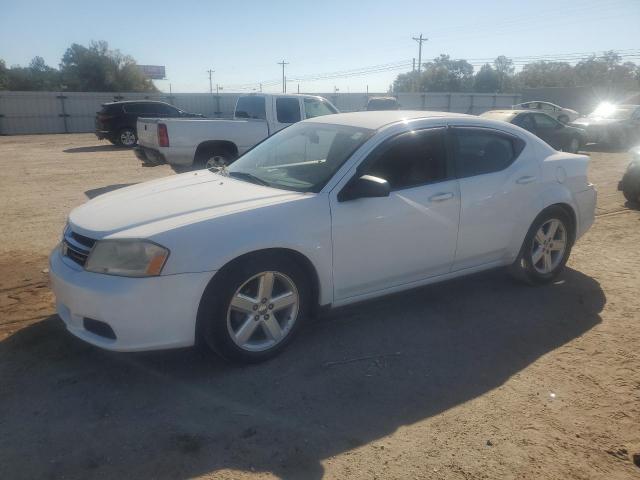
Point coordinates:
[(72, 112)]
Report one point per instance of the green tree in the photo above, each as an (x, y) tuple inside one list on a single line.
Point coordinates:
[(446, 75), (4, 77), (505, 70), (96, 68), (547, 74), (487, 80)]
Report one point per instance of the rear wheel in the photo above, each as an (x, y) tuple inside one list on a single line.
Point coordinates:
[(546, 247), (215, 159), (127, 137), (253, 311)]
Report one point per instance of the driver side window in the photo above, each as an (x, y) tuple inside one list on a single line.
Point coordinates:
[(411, 159)]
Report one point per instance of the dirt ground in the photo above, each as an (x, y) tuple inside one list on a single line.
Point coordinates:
[(474, 378)]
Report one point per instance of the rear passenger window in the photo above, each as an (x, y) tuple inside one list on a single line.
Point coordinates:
[(479, 151), (411, 159), (288, 110)]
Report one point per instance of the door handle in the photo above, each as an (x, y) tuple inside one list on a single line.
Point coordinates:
[(440, 197), (526, 179)]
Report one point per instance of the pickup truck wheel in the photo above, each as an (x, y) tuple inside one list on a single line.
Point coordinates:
[(546, 248), (254, 310), (216, 160), (127, 137)]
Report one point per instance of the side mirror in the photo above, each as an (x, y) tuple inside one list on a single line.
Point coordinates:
[(366, 186)]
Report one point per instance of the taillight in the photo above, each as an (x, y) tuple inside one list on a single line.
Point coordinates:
[(163, 135)]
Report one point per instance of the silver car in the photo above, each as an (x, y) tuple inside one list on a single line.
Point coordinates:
[(564, 115)]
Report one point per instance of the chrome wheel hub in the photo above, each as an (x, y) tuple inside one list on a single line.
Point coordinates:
[(548, 246), (216, 161), (263, 311), (127, 138)]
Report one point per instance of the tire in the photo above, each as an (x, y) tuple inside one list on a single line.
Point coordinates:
[(537, 271), (574, 145), (127, 137), (215, 159), (236, 322), (631, 187)]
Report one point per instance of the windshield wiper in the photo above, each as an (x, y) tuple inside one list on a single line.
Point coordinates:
[(249, 177)]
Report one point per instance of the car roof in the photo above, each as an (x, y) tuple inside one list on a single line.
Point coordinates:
[(134, 101), (379, 119)]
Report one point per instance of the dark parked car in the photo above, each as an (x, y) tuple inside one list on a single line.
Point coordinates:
[(116, 121), (382, 103), (617, 126), (557, 134)]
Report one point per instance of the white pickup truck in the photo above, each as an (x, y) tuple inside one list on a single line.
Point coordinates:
[(205, 143)]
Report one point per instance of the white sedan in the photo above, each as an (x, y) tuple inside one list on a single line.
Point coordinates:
[(328, 212), (564, 115)]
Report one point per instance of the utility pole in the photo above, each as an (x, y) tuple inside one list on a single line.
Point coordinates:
[(284, 82), (420, 40), (210, 84)]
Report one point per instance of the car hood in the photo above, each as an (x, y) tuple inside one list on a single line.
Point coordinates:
[(588, 121), (160, 205)]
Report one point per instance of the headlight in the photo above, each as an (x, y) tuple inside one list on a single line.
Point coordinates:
[(128, 258)]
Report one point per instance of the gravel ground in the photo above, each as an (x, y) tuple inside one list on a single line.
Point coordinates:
[(474, 378)]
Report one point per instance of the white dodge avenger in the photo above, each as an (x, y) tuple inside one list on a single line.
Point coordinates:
[(330, 211)]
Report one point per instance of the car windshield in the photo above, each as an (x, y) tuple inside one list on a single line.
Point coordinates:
[(302, 157), (607, 110)]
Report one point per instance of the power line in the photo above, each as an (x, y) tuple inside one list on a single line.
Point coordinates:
[(406, 64)]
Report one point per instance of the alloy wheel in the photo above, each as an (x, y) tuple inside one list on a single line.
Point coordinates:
[(263, 311), (127, 138), (548, 246)]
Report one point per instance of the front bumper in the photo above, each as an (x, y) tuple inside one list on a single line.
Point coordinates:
[(144, 313), (149, 155)]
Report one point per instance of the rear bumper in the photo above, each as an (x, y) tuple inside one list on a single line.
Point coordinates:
[(149, 155), (586, 203)]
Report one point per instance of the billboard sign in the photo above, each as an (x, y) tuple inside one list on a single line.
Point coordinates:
[(154, 72)]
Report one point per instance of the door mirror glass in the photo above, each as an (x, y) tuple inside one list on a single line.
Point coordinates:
[(366, 186)]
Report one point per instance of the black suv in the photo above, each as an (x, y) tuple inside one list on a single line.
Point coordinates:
[(117, 120)]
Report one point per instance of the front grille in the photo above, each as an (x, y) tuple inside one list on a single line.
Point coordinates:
[(76, 247)]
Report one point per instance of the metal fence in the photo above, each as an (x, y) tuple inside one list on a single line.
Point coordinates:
[(74, 112)]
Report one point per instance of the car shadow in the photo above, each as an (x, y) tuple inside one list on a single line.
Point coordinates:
[(95, 148), (350, 378), (109, 188)]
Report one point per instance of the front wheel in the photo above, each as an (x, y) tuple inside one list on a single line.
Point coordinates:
[(546, 247), (253, 311)]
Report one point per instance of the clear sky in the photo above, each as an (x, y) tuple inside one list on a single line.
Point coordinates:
[(243, 40)]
